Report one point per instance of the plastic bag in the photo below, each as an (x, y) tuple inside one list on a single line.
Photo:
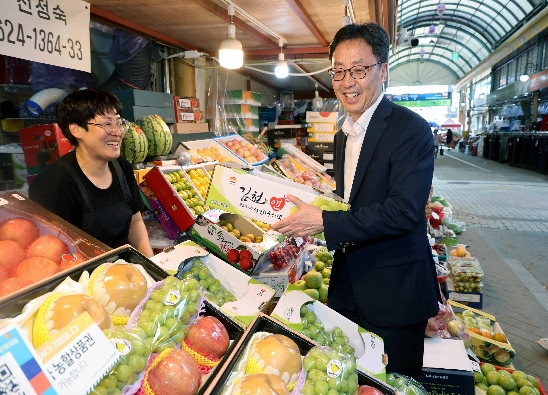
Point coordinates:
[(125, 45), (166, 310), (326, 368), (285, 253), (43, 76), (405, 384), (135, 351)]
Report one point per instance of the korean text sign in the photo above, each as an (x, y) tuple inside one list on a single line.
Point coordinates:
[(54, 32)]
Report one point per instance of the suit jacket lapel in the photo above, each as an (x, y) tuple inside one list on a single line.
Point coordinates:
[(340, 142), (376, 127)]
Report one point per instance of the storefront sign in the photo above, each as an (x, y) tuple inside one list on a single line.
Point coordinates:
[(54, 32), (425, 103), (508, 92), (417, 96), (538, 81)]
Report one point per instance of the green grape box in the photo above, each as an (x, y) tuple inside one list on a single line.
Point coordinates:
[(252, 296), (208, 231), (369, 348), (261, 196), (265, 323), (446, 367)]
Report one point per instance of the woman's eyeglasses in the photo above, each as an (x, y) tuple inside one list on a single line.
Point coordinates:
[(109, 127)]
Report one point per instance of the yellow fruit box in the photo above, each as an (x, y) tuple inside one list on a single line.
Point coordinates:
[(262, 196), (212, 230), (252, 297), (487, 349), (211, 149), (369, 348)]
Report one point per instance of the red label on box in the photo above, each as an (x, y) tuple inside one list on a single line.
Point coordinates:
[(42, 145)]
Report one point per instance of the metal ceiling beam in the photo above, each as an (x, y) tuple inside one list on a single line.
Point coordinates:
[(304, 70), (223, 14), (126, 24), (455, 74), (474, 34), (298, 8), (288, 51), (247, 74)]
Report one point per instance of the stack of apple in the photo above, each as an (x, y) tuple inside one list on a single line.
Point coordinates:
[(167, 312), (26, 257), (215, 292), (245, 150), (505, 382), (186, 191), (315, 283)]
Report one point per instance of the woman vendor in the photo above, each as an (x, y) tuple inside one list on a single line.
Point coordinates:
[(93, 187)]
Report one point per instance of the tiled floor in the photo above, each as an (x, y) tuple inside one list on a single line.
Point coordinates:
[(506, 213)]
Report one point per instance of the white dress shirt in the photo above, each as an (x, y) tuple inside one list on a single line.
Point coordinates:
[(355, 132)]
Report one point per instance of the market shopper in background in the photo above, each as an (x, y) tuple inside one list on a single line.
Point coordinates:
[(449, 138), (436, 143), (93, 187), (383, 276)]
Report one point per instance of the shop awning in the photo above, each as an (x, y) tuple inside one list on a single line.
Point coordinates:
[(450, 123)]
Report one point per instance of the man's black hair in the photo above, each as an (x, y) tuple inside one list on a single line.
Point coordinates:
[(372, 33)]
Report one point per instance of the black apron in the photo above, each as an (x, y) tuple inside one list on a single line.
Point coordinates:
[(111, 224)]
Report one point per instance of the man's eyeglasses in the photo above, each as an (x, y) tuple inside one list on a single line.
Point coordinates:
[(122, 126), (356, 72)]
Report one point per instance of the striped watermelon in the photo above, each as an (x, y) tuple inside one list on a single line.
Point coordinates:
[(158, 134), (134, 145)]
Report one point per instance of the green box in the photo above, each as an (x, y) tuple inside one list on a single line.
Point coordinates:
[(132, 113), (133, 97)]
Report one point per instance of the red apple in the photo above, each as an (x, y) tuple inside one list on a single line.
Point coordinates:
[(368, 390), (22, 230), (11, 255), (175, 374), (36, 269), (49, 247), (208, 337), (12, 284), (71, 259)]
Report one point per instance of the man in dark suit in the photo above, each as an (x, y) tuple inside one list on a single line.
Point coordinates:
[(383, 276)]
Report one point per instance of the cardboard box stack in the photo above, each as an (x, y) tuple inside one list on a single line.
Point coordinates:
[(322, 127), (242, 110), (138, 103), (189, 117)]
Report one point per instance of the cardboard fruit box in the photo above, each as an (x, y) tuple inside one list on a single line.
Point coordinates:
[(369, 348), (211, 148), (487, 349), (238, 146), (177, 205), (264, 323), (23, 222), (212, 230), (259, 195), (252, 296)]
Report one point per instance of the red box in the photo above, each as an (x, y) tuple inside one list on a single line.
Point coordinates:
[(42, 145), (172, 202)]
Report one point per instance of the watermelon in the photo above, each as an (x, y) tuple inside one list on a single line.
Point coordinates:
[(134, 145), (158, 134)]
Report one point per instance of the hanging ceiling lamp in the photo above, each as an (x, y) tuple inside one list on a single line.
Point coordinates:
[(346, 17), (441, 8), (282, 70), (421, 53), (317, 102), (431, 30), (231, 54)]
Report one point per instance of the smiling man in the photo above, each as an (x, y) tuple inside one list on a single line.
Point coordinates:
[(93, 187), (383, 275)]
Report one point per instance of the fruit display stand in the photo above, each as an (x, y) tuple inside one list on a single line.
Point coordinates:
[(368, 347), (484, 330), (250, 296), (36, 245), (264, 323)]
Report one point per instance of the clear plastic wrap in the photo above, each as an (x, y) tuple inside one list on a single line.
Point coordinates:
[(285, 253), (135, 351), (446, 325), (466, 273), (327, 369), (405, 384), (166, 310)]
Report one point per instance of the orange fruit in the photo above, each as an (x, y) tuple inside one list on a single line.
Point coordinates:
[(486, 334), (475, 330), (500, 337)]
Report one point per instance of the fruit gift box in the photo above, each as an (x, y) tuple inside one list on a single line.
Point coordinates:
[(212, 151), (269, 348), (325, 326), (232, 291), (489, 342), (36, 245), (234, 238), (261, 196), (243, 149), (177, 194)]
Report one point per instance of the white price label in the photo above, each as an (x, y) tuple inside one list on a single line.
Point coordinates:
[(54, 32), (78, 356)]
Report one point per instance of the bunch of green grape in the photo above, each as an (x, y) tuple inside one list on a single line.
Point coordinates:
[(134, 350), (322, 254), (336, 339), (329, 372), (214, 291), (167, 312)]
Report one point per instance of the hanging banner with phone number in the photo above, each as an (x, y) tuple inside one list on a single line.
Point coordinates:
[(54, 32)]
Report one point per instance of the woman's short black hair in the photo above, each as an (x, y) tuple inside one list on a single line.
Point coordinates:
[(372, 33), (82, 106)]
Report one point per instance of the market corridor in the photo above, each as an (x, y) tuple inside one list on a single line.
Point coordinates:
[(506, 213)]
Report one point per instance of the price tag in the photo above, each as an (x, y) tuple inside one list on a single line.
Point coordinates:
[(54, 32), (78, 356), (20, 369)]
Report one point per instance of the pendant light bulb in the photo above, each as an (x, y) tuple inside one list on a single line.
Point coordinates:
[(231, 54), (317, 102), (282, 69)]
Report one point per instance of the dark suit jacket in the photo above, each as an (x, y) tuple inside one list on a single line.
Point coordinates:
[(382, 239)]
